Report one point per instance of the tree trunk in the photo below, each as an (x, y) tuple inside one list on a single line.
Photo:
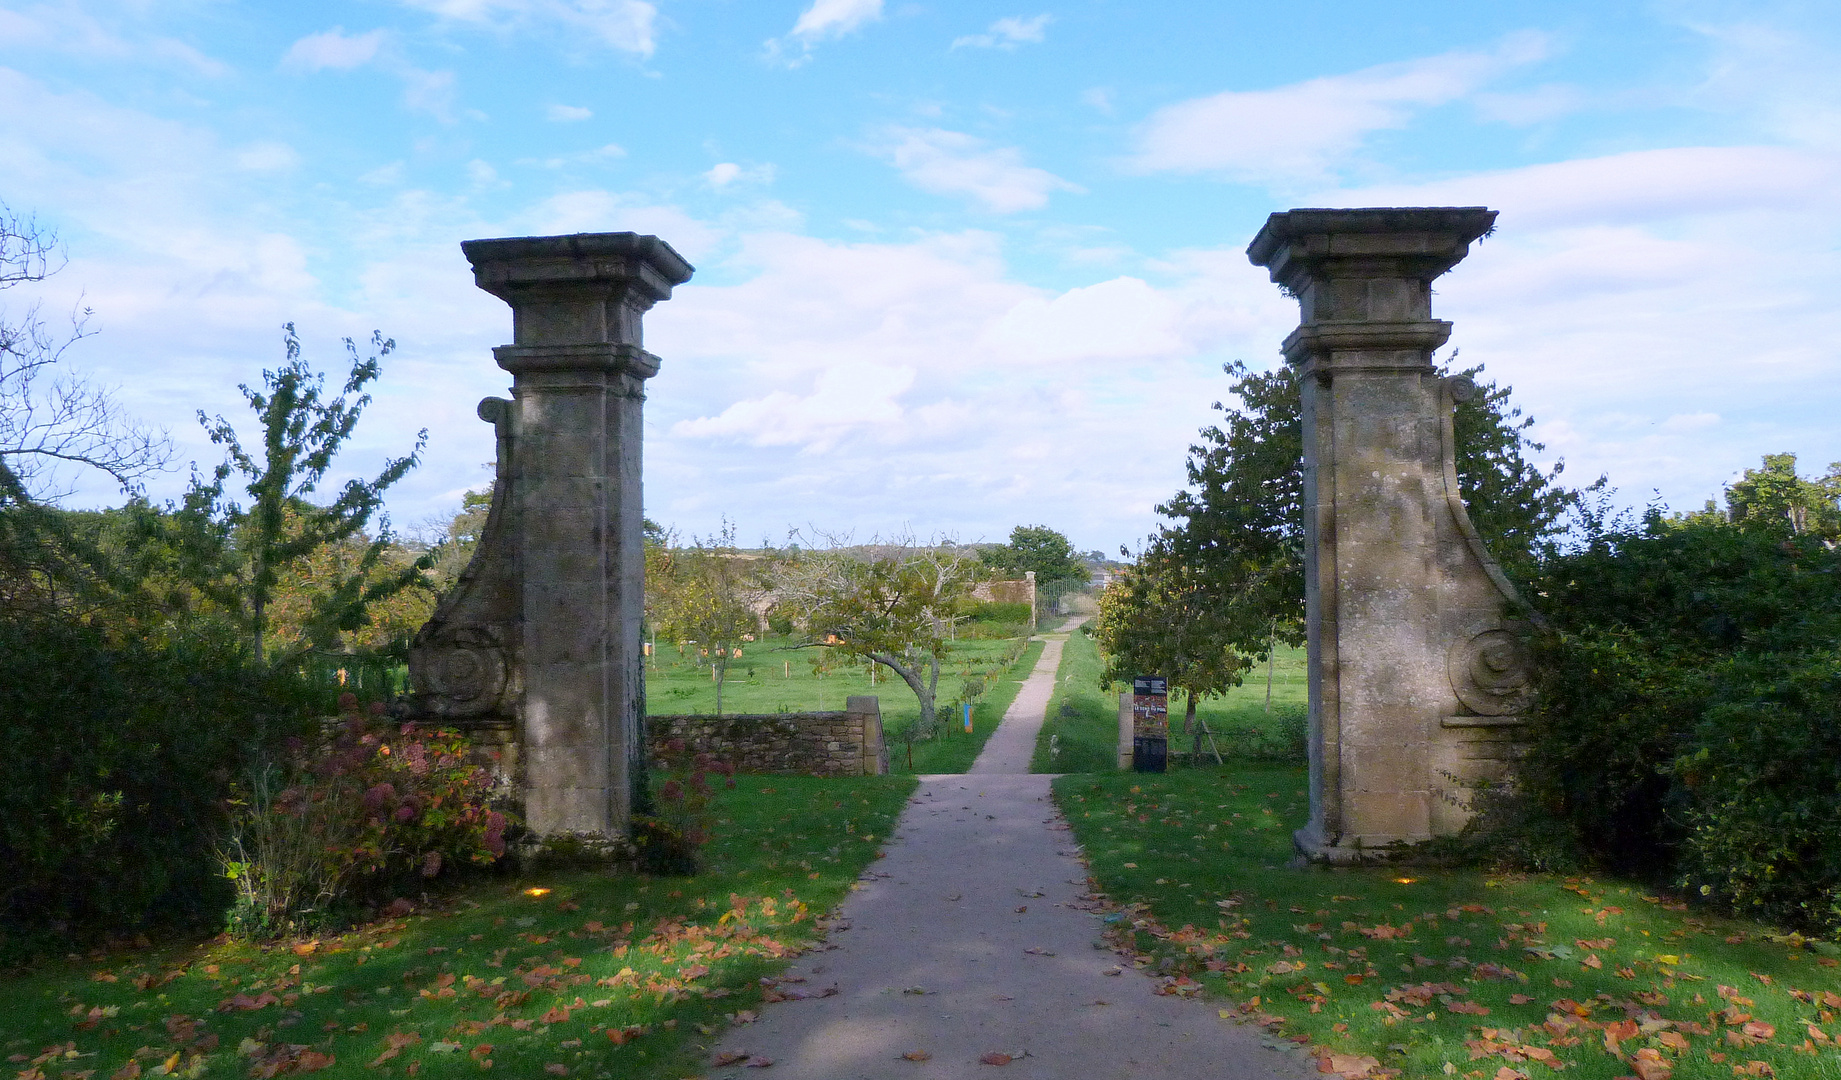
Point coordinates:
[(923, 691), (1189, 725), (721, 669), (257, 604)]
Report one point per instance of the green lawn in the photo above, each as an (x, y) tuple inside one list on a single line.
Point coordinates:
[(1083, 718), (1440, 972), (569, 974), (771, 676)]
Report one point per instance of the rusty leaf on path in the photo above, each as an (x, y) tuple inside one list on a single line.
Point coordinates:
[(1674, 1040), (1758, 1029), (1592, 962), (917, 1055), (996, 1057), (730, 1057)]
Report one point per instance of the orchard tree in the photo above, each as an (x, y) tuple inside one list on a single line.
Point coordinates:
[(882, 603), (1159, 616), (280, 528), (707, 594)]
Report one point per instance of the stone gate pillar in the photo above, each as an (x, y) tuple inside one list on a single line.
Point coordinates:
[(1416, 678), (541, 638)]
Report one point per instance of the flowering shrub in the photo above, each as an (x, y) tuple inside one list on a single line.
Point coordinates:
[(668, 840), (357, 817)]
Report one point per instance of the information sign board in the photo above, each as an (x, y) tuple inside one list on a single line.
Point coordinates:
[(1150, 707)]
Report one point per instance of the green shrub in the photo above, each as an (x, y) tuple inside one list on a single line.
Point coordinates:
[(1686, 725), (992, 612), (1762, 773), (120, 756), (360, 817)]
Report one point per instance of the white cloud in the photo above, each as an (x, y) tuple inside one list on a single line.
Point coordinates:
[(1631, 304), (1007, 33), (624, 25), (333, 49), (834, 18), (68, 29), (266, 157), (1303, 132), (843, 400), (825, 19), (953, 163), (430, 92), (424, 91), (726, 174), (1099, 97), (567, 114)]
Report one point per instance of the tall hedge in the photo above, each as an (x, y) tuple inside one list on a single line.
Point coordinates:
[(1689, 725), (118, 759)]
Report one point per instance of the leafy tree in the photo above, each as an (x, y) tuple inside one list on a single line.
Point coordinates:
[(302, 432), (707, 595), (1775, 498), (1239, 523), (884, 603), (1159, 616), (1041, 549)]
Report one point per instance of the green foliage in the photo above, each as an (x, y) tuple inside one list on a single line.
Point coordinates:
[(302, 432), (1774, 498), (1687, 709), (1239, 524), (885, 603), (110, 798), (361, 817), (1039, 548), (1160, 617), (705, 595)]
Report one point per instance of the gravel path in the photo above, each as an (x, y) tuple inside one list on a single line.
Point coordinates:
[(975, 937)]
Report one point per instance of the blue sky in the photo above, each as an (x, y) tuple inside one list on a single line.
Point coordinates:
[(959, 265)]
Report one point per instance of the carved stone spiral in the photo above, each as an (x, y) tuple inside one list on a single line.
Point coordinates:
[(465, 670), (1491, 673)]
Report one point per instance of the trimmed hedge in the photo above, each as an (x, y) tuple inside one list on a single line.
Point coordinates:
[(120, 756)]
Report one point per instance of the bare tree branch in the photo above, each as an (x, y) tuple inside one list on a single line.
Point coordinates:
[(55, 424)]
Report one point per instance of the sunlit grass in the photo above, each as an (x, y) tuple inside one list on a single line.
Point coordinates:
[(1441, 971)]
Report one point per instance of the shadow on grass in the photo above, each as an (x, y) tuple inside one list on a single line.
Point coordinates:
[(567, 974)]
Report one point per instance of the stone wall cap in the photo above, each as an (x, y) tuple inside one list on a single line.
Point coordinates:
[(576, 258), (1356, 231)]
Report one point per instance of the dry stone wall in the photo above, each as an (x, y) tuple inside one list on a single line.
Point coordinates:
[(847, 743)]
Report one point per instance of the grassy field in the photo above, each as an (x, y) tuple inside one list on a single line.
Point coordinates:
[(1439, 972), (569, 974), (772, 677), (1083, 719)]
